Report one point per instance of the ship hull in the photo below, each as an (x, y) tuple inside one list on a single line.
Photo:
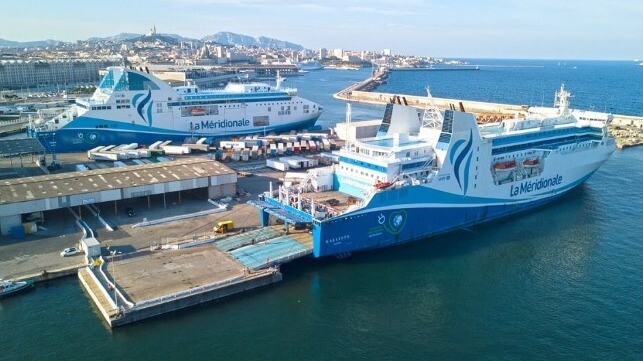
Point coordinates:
[(404, 221), (76, 139), (132, 106)]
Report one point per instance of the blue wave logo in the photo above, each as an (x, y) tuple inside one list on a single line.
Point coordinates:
[(140, 106), (463, 155)]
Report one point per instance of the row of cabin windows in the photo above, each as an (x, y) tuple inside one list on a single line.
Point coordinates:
[(511, 156), (352, 170), (239, 105)]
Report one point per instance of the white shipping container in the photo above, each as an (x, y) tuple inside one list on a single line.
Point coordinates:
[(103, 156), (275, 164), (97, 149), (155, 145), (175, 149), (230, 144)]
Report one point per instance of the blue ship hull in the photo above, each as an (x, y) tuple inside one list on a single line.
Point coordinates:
[(70, 139), (402, 221)]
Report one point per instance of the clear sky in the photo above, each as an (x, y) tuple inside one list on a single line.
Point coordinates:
[(544, 29)]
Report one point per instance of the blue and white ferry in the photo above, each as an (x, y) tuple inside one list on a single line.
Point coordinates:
[(131, 106), (430, 173)]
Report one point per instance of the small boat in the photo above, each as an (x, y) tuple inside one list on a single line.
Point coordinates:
[(8, 288), (531, 162), (509, 165), (382, 185)]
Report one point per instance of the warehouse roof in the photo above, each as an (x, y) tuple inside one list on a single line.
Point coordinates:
[(64, 184)]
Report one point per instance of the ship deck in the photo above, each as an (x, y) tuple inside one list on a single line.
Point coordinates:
[(337, 202)]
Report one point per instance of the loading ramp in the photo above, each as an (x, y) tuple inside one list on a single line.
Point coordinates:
[(266, 246)]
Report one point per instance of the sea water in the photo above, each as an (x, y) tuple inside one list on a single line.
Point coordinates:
[(564, 281)]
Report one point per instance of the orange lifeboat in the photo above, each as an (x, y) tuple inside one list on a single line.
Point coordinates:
[(198, 111), (531, 162), (509, 165), (382, 185)]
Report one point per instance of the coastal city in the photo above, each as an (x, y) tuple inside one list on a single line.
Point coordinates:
[(158, 176), (48, 69)]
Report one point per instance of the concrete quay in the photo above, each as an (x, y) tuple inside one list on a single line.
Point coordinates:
[(150, 283), (479, 108), (626, 129), (147, 284), (12, 126)]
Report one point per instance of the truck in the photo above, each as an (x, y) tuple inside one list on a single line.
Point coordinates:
[(223, 227)]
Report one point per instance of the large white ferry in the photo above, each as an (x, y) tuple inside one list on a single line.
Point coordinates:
[(433, 173), (131, 106)]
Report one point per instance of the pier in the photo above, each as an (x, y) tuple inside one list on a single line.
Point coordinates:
[(147, 284), (626, 129), (132, 287)]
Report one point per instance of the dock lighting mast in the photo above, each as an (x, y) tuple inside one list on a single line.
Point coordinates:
[(432, 117), (113, 253)]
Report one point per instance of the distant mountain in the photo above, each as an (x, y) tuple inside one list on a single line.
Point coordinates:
[(223, 37), (228, 38), (131, 36), (180, 37), (168, 40), (116, 38), (27, 44)]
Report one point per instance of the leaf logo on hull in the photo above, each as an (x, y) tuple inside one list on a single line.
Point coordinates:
[(90, 138), (396, 222), (140, 106), (462, 173)]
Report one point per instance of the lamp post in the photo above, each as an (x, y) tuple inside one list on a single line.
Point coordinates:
[(113, 253)]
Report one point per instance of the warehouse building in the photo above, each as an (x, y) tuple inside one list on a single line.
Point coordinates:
[(30, 195)]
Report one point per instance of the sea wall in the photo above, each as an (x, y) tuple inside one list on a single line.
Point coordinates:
[(626, 129)]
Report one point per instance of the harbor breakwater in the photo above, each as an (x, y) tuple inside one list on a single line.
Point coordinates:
[(626, 129)]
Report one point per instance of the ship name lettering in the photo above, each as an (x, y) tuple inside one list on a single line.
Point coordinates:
[(219, 124), (530, 186), (338, 239)]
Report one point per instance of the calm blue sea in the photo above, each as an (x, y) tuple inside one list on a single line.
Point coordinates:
[(564, 281)]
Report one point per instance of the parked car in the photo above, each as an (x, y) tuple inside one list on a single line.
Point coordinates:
[(130, 212), (69, 251)]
